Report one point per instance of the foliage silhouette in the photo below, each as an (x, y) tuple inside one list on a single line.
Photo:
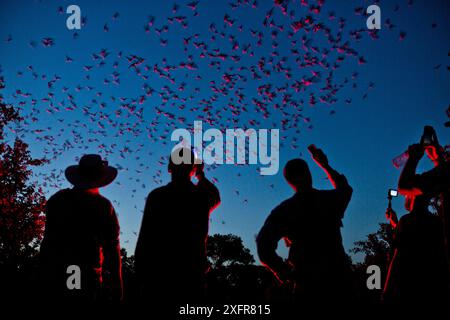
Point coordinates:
[(21, 206), (377, 250), (226, 250)]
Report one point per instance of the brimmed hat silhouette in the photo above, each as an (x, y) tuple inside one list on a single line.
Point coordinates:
[(91, 172)]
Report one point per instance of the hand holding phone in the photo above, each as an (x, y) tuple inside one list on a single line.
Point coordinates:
[(318, 155), (391, 215), (428, 137), (199, 170)]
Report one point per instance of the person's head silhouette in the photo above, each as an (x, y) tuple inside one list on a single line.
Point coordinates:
[(297, 174), (182, 164), (416, 203), (91, 173)]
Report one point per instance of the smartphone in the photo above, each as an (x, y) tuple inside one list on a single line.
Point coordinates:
[(428, 135)]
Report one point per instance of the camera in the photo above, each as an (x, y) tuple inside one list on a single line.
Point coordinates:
[(393, 193)]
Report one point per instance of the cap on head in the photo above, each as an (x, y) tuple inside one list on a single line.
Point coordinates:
[(297, 174)]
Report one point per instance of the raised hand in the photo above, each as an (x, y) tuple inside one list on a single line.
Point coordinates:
[(392, 217), (199, 170), (416, 151), (318, 156)]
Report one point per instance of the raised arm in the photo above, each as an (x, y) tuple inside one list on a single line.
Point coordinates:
[(208, 187), (341, 196), (337, 180), (407, 184)]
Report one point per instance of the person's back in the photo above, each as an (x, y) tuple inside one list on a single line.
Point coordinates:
[(81, 230), (77, 223), (310, 221), (171, 250), (315, 233), (418, 270), (180, 216), (421, 256)]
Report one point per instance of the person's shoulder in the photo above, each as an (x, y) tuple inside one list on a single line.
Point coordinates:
[(285, 206), (441, 169), (405, 218), (426, 217), (158, 192), (59, 195), (102, 199), (410, 220), (431, 221)]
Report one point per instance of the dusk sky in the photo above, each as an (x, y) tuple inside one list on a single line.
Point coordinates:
[(381, 95)]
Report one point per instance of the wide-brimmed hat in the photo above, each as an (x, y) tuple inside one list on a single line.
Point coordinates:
[(91, 172)]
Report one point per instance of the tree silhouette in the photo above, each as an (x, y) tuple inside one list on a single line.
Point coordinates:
[(377, 250), (233, 275), (227, 250), (130, 284), (21, 202), (377, 246)]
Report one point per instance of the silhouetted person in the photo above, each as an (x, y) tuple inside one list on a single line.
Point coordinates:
[(171, 261), (418, 269), (433, 183), (82, 229), (310, 221)]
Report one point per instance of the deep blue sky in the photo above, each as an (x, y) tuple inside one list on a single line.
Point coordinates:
[(410, 90)]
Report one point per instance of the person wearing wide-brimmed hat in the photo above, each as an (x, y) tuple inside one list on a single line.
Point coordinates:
[(82, 230)]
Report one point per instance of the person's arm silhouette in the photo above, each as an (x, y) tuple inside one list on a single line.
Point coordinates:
[(392, 217), (431, 182), (211, 191), (141, 252), (343, 191), (407, 184), (267, 242), (337, 180), (111, 254)]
